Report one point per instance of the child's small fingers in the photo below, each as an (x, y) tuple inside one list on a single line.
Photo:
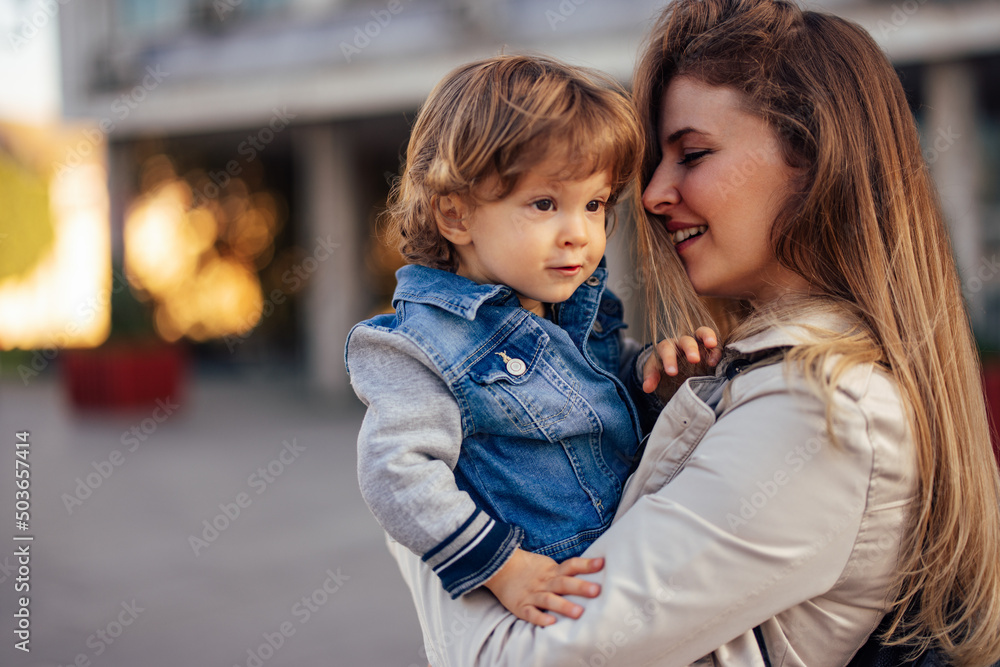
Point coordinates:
[(574, 566), (689, 346), (707, 337), (667, 352), (538, 617), (575, 586), (714, 356), (651, 373), (560, 605), (651, 381)]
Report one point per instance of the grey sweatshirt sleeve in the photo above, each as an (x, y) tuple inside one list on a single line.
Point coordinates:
[(408, 447)]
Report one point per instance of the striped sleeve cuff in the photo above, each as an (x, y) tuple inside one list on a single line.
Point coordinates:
[(472, 554)]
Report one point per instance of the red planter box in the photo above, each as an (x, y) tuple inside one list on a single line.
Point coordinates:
[(124, 375)]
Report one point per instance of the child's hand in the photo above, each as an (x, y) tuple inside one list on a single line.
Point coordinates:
[(528, 584), (664, 360)]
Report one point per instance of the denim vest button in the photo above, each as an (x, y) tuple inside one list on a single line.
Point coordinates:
[(593, 281), (516, 367)]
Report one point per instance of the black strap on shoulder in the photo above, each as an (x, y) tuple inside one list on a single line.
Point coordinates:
[(737, 367), (767, 357), (759, 635)]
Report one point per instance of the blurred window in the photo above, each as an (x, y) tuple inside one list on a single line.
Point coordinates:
[(150, 15), (159, 16)]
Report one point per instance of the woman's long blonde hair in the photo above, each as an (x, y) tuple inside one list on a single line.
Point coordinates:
[(866, 231)]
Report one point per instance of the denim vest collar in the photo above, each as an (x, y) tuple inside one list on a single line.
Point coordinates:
[(449, 291), (456, 294)]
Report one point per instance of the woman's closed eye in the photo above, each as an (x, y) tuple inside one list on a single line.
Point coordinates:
[(694, 156)]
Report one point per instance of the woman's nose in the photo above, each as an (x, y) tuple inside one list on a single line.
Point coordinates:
[(661, 193)]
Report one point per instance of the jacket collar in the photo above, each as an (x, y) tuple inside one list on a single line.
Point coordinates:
[(784, 335), (803, 330), (449, 291)]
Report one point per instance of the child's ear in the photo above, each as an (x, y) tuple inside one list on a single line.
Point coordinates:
[(451, 213)]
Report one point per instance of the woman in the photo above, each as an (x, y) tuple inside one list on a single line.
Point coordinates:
[(837, 468)]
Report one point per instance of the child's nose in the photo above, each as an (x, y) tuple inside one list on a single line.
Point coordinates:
[(576, 230)]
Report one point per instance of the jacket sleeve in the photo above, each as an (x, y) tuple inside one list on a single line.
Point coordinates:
[(408, 447), (762, 517)]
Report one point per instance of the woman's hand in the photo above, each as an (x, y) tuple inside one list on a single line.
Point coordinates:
[(529, 584), (664, 373)]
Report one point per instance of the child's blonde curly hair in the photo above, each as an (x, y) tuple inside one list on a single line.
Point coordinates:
[(489, 122)]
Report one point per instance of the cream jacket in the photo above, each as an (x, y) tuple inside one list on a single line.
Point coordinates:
[(741, 513)]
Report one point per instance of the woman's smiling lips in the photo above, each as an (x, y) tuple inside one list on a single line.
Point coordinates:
[(683, 235)]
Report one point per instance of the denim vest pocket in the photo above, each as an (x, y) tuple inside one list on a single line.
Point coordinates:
[(527, 389), (513, 358)]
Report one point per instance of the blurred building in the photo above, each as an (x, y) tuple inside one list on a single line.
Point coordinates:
[(309, 101)]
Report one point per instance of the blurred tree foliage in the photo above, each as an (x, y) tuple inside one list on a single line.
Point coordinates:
[(26, 232), (131, 315)]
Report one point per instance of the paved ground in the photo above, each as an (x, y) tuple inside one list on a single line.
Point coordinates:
[(117, 575)]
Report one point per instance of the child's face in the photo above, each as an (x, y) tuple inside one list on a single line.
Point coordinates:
[(542, 240)]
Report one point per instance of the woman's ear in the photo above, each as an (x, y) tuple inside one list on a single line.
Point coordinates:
[(451, 213)]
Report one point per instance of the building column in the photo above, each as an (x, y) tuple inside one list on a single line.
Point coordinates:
[(327, 199), (952, 152), (121, 169)]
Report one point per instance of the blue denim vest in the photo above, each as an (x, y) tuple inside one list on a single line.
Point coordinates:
[(549, 431)]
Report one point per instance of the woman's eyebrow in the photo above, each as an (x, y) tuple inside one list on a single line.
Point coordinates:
[(675, 136)]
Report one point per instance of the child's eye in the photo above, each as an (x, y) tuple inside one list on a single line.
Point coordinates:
[(544, 204), (594, 205), (691, 158)]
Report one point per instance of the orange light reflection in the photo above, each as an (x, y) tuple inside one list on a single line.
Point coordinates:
[(198, 262)]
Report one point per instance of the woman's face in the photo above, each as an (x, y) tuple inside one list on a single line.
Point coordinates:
[(718, 188)]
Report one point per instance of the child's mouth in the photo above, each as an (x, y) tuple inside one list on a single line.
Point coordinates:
[(568, 270)]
